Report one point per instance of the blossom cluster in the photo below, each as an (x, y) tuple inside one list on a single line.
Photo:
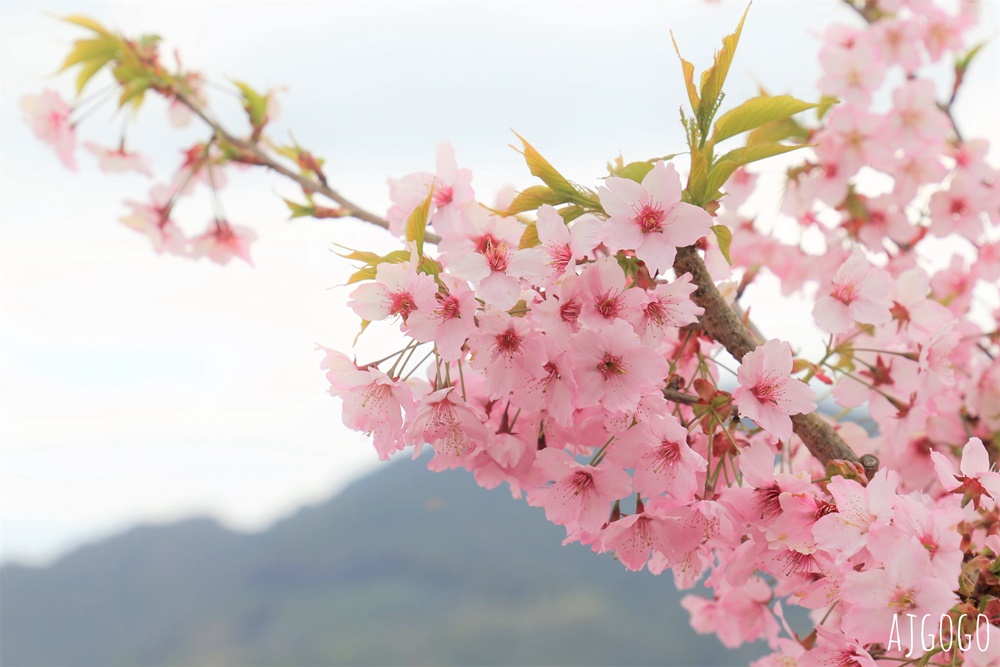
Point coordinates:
[(560, 341)]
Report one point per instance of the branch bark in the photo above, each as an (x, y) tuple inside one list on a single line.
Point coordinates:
[(262, 158), (723, 324)]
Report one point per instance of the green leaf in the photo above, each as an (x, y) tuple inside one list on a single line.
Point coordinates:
[(364, 325), (718, 175), (364, 273), (755, 152), (531, 198), (541, 168), (254, 103), (88, 23), (963, 63), (780, 130), (88, 49), (714, 77), (571, 213), (825, 104), (725, 238), (529, 239), (697, 179), (300, 210), (635, 171), (429, 266), (736, 158), (416, 224), (133, 91), (88, 70), (688, 70), (754, 113)]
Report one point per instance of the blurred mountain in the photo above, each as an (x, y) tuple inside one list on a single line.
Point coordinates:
[(403, 567)]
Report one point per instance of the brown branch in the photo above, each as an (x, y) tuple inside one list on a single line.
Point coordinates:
[(262, 158), (721, 323), (680, 397)]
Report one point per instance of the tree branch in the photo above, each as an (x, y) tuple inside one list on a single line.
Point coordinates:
[(721, 323), (262, 158)]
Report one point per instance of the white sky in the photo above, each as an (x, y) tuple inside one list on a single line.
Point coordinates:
[(141, 388)]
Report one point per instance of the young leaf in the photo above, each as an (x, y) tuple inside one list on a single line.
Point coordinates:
[(531, 198), (529, 239), (688, 70), (416, 224), (254, 103), (713, 78), (725, 238), (300, 210), (635, 171), (754, 113), (571, 213), (85, 50), (88, 23), (541, 168), (754, 152), (698, 178)]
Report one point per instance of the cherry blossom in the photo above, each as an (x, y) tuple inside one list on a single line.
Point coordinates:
[(767, 393), (649, 218), (48, 116), (118, 160)]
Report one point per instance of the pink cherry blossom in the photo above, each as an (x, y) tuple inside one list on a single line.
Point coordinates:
[(153, 219), (859, 293), (633, 537), (614, 369), (666, 463), (668, 305), (373, 402), (223, 242), (833, 649), (767, 393), (452, 191), (916, 121), (449, 321), (978, 477), (566, 245), (508, 352), (48, 116), (398, 290), (486, 253), (845, 531), (737, 614), (581, 495), (649, 218), (118, 160), (448, 424)]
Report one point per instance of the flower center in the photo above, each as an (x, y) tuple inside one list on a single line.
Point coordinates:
[(561, 256), (402, 304), (611, 366), (767, 389), (508, 343), (609, 304), (496, 253), (443, 195), (650, 219), (448, 307), (846, 293), (570, 311)]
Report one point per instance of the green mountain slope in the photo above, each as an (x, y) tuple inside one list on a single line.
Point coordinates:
[(404, 567)]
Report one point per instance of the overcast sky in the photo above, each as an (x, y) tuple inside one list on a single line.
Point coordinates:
[(142, 388)]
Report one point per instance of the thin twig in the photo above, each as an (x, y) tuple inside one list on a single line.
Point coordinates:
[(262, 158)]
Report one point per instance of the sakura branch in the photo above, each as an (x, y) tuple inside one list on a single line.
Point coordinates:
[(566, 341)]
